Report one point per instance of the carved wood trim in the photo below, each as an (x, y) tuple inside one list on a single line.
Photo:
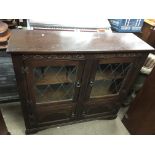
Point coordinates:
[(31, 113), (78, 56), (55, 57), (114, 55)]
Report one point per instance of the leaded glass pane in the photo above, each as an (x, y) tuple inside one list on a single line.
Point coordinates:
[(54, 83), (108, 79)]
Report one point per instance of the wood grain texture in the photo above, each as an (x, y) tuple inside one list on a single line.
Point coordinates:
[(32, 49), (74, 42)]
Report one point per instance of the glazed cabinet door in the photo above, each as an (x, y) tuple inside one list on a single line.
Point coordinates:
[(108, 83), (53, 87)]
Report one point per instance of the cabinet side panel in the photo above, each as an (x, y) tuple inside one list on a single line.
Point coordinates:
[(131, 77), (22, 85)]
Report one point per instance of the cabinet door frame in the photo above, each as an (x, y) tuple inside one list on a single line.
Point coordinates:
[(93, 74), (31, 63), (115, 99)]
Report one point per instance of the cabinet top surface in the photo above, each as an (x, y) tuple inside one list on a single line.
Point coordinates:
[(42, 41)]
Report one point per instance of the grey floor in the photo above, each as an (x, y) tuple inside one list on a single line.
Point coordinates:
[(14, 120)]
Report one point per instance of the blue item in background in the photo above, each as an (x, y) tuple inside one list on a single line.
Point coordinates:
[(126, 25)]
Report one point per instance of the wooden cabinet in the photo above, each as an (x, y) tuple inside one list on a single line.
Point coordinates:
[(67, 77)]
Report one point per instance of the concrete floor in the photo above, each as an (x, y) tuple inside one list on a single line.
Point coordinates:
[(15, 123)]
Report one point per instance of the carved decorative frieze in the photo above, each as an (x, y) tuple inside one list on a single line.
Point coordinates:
[(114, 55), (78, 56), (48, 57)]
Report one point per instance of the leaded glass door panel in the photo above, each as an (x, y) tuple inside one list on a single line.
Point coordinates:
[(108, 79), (105, 84), (55, 83), (54, 87)]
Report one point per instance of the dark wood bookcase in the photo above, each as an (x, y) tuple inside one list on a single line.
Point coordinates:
[(68, 77)]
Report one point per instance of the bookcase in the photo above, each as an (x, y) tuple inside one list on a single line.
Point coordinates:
[(68, 77)]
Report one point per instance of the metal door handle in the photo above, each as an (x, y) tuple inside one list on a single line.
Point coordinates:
[(78, 84), (91, 83)]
